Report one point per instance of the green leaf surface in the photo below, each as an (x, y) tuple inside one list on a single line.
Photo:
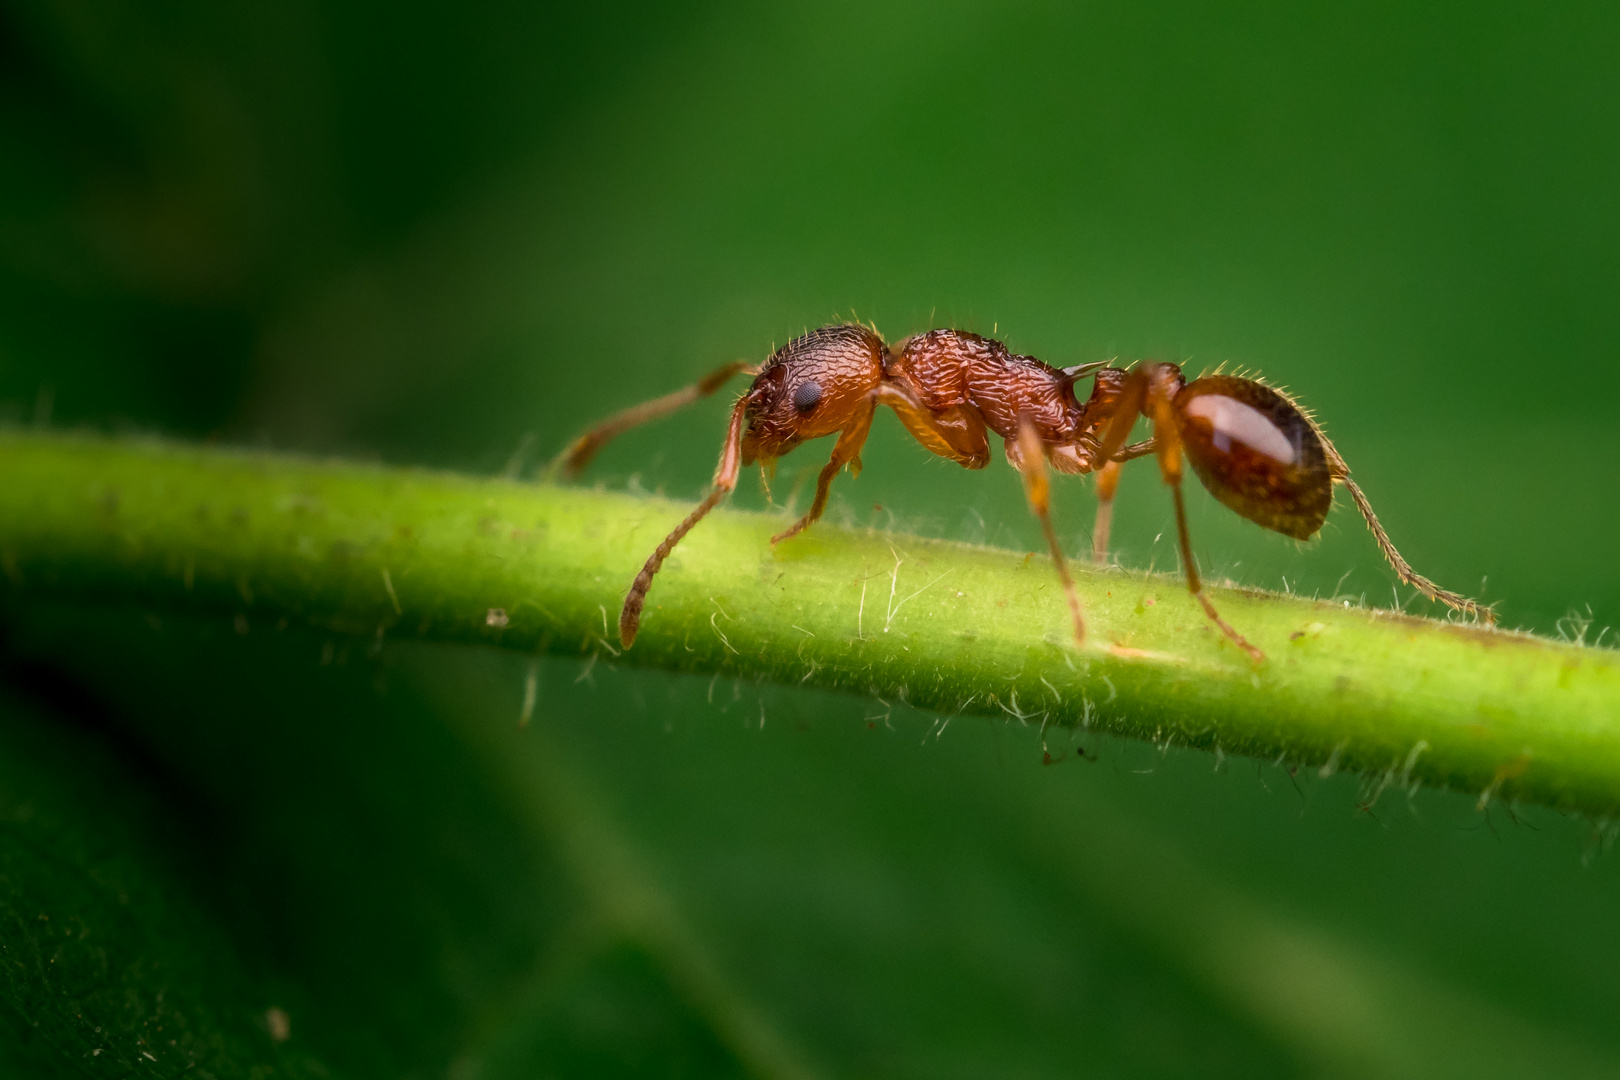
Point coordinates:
[(372, 552)]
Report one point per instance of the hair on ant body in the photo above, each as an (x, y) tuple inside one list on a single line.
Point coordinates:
[(1256, 450)]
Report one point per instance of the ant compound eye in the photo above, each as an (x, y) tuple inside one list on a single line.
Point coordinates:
[(807, 395)]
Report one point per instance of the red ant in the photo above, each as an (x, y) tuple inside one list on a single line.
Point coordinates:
[(1251, 445)]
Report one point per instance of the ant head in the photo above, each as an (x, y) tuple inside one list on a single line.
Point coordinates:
[(812, 386), (1256, 452)]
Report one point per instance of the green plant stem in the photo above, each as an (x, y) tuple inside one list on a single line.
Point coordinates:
[(941, 626)]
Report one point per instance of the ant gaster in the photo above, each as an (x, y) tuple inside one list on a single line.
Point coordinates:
[(1256, 451)]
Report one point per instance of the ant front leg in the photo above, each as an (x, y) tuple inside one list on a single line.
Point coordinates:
[(847, 451), (578, 454), (1038, 489), (957, 433)]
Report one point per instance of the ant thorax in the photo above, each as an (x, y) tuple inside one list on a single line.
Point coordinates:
[(949, 368)]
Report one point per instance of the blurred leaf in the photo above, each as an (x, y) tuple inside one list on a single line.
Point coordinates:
[(114, 962), (719, 899)]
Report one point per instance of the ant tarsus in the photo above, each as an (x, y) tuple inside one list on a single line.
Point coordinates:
[(1252, 446)]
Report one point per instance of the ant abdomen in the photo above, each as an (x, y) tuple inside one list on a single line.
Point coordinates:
[(1257, 453)]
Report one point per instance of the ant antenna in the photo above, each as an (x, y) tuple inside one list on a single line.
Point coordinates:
[(725, 479)]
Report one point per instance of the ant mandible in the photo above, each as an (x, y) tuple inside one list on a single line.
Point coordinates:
[(1253, 447)]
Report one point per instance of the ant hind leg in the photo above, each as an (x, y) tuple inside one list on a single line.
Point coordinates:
[(1195, 586), (1152, 389)]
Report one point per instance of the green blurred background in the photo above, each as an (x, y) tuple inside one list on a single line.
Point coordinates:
[(452, 237)]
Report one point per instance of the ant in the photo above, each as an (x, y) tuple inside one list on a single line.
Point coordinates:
[(1254, 448)]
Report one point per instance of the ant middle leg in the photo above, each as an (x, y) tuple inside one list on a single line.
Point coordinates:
[(1107, 484), (847, 451), (1038, 489), (1135, 450), (578, 454)]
